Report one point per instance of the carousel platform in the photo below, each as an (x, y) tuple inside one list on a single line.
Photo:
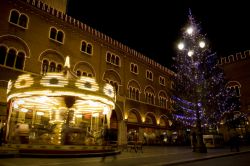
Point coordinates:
[(54, 151)]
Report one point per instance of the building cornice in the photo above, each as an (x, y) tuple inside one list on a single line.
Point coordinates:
[(82, 26)]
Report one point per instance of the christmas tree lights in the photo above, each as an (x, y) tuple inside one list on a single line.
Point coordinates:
[(200, 96)]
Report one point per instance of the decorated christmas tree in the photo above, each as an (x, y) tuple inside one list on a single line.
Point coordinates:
[(200, 95)]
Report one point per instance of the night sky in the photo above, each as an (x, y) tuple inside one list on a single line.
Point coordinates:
[(154, 27)]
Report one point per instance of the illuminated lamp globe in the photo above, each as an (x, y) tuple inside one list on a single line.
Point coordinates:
[(180, 46), (202, 44), (190, 53), (190, 30)]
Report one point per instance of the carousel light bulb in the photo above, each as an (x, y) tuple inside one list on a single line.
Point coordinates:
[(24, 110), (180, 46), (190, 53), (202, 44)]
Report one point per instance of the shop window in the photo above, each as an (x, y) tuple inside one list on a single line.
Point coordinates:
[(3, 52)]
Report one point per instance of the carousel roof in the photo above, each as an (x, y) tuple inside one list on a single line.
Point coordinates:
[(61, 84)]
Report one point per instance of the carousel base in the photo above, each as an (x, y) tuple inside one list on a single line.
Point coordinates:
[(46, 151)]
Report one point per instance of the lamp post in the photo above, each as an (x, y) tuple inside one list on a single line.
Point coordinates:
[(195, 49)]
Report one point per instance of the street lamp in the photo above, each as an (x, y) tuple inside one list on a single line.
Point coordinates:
[(192, 51)]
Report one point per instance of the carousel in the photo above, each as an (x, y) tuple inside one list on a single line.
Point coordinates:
[(58, 109)]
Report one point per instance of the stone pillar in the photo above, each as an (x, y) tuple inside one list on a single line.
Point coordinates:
[(141, 132), (122, 132)]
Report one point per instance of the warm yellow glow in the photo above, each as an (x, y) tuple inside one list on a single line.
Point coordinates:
[(125, 116), (143, 119), (40, 113), (15, 105), (62, 93), (190, 53), (202, 44), (181, 46), (190, 30), (9, 86), (67, 62), (158, 121), (54, 80), (24, 81), (20, 101), (24, 110), (79, 115), (105, 110), (87, 83), (95, 114), (109, 90)]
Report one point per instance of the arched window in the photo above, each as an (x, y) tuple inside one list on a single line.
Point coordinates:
[(59, 68), (14, 16), (89, 75), (84, 46), (117, 60), (53, 32), (84, 74), (113, 59), (11, 57), (3, 52), (108, 57), (89, 49), (135, 69), (137, 94), (78, 73), (132, 67), (20, 60), (130, 92), (45, 66), (237, 90), (60, 36), (115, 87), (52, 67), (23, 21)]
